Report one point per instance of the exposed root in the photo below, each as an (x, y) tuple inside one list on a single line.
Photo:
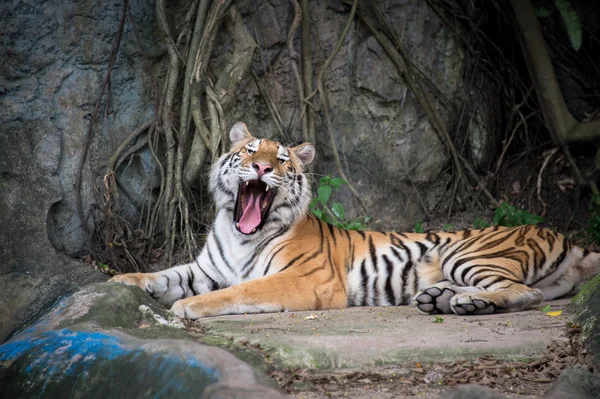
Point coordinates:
[(548, 156), (88, 140), (325, 102)]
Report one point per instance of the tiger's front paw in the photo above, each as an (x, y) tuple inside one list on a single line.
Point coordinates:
[(465, 304), (434, 300), (130, 279), (187, 308)]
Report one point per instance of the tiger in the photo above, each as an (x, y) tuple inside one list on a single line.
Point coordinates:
[(266, 252)]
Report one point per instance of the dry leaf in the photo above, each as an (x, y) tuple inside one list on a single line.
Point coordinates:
[(554, 313), (311, 317)]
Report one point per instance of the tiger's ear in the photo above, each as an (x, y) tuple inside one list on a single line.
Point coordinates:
[(239, 132), (305, 152)]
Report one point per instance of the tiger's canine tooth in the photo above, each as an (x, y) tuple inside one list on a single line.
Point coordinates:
[(247, 181), (267, 189)]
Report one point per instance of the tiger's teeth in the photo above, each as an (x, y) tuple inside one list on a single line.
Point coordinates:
[(237, 225), (248, 181), (267, 189), (254, 230)]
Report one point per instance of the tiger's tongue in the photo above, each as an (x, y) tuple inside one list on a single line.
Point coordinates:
[(251, 217)]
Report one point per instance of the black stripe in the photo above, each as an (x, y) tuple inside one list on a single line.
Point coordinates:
[(190, 281), (364, 282), (375, 290), (389, 291), (373, 255), (222, 252), (212, 260), (433, 238), (271, 260), (213, 283), (180, 282), (416, 280), (332, 232), (291, 262), (362, 234), (407, 268), (422, 249)]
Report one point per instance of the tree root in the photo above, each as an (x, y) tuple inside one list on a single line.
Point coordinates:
[(88, 140), (325, 102), (398, 56)]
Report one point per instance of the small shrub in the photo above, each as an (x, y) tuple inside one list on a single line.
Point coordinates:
[(419, 227), (480, 223), (334, 212), (509, 216)]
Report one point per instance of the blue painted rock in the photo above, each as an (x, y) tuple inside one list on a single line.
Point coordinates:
[(113, 341)]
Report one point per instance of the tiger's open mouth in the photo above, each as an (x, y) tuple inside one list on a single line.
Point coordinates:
[(252, 206)]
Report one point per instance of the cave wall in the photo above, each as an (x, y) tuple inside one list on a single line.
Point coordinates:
[(55, 58)]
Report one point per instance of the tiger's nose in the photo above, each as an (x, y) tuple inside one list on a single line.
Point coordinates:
[(262, 168)]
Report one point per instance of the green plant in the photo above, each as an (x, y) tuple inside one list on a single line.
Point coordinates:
[(569, 18), (334, 212), (593, 229), (480, 223), (547, 308), (509, 216), (448, 227), (438, 319), (419, 227)]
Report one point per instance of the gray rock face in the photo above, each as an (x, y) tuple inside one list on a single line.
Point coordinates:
[(387, 144), (575, 383), (111, 340), (472, 391), (55, 59), (587, 308)]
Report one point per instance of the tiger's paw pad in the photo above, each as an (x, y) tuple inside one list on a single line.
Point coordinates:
[(465, 304), (434, 300)]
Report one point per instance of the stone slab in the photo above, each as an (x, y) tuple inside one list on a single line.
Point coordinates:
[(358, 337), (114, 341)]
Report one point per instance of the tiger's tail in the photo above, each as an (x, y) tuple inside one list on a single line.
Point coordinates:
[(589, 265)]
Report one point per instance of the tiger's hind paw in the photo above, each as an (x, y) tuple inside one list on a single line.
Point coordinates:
[(434, 300), (468, 304)]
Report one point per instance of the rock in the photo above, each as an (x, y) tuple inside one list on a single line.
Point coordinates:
[(472, 392), (32, 274), (575, 383), (112, 340), (56, 55), (359, 337), (586, 306)]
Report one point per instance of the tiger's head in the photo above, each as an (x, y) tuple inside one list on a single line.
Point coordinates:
[(261, 181)]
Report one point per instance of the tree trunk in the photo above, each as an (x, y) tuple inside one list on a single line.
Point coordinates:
[(563, 126)]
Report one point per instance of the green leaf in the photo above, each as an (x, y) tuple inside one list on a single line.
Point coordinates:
[(323, 194), (547, 308), (438, 319), (542, 12), (338, 210), (337, 182), (448, 227), (480, 223), (419, 227), (318, 213), (571, 22)]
